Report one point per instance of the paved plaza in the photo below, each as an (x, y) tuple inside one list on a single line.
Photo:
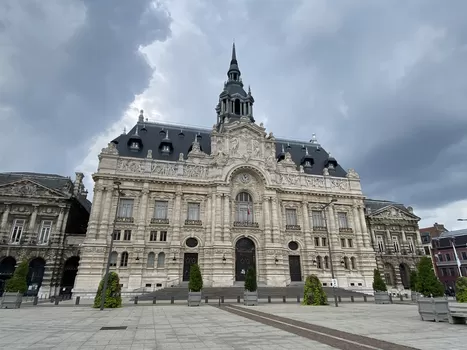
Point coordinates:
[(208, 327)]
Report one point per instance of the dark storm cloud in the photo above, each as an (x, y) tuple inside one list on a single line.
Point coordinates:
[(72, 68)]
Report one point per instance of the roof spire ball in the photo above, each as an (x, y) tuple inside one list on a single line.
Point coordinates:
[(141, 116)]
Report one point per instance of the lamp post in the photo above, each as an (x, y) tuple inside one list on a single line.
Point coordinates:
[(106, 276), (330, 252)]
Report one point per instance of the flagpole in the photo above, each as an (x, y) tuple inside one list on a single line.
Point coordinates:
[(457, 257)]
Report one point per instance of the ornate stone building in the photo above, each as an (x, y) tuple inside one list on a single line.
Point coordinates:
[(43, 220), (227, 198), (396, 239)]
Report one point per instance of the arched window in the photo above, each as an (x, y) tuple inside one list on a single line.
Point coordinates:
[(346, 263), (319, 262), (113, 259), (151, 259), (326, 262), (237, 107), (124, 259), (353, 263), (160, 259), (244, 210)]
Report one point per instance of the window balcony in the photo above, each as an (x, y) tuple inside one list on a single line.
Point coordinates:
[(293, 227), (320, 228), (159, 221), (345, 230), (246, 224), (125, 219), (193, 222)]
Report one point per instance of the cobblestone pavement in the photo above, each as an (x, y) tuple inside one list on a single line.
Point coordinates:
[(399, 324)]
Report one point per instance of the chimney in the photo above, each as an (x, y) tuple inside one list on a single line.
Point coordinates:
[(78, 186), (410, 209)]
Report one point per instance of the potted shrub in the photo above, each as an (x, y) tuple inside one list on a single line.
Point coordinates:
[(195, 285), (15, 287), (380, 289), (250, 295), (313, 293), (113, 298), (432, 307), (413, 285), (461, 290)]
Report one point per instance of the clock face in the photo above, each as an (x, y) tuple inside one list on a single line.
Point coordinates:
[(245, 177)]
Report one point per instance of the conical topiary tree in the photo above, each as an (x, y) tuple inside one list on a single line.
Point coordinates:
[(313, 293), (113, 298), (196, 280), (250, 280), (427, 282), (378, 283), (413, 280), (18, 282), (461, 290)]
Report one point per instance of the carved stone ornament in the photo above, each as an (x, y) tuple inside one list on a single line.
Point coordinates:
[(163, 169), (289, 179), (339, 184), (110, 149), (149, 155), (195, 171), (132, 166), (25, 189), (352, 174), (315, 182), (325, 172), (244, 178)]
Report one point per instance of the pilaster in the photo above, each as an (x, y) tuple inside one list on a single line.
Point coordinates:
[(5, 217), (226, 236), (32, 221), (177, 216), (218, 216), (95, 211), (366, 236), (143, 209), (267, 220), (107, 207), (275, 221), (358, 227)]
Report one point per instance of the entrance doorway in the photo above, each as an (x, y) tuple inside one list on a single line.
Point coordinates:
[(295, 268), (69, 274), (405, 275), (35, 275), (188, 260), (245, 253), (7, 268)]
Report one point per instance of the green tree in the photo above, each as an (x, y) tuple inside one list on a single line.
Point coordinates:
[(461, 290), (413, 280), (196, 280), (113, 298), (18, 282), (250, 280), (313, 292), (378, 282), (427, 282)]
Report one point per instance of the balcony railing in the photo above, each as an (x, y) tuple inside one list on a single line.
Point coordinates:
[(193, 222), (345, 230), (159, 221), (320, 228), (245, 224), (293, 227), (125, 219)]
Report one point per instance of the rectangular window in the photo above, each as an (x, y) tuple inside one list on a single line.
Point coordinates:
[(44, 234), (127, 235), (317, 216), (440, 257), (324, 241), (464, 255), (343, 242), (125, 208), (448, 257), (291, 217), (193, 211), (395, 243), (342, 218), (161, 210), (350, 243), (411, 245), (452, 272), (17, 231), (153, 236), (163, 236), (443, 272), (380, 244), (117, 235), (316, 241)]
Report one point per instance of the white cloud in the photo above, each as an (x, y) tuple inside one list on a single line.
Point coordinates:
[(446, 215)]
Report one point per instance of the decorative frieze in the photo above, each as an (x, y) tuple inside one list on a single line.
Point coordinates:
[(245, 224), (162, 169)]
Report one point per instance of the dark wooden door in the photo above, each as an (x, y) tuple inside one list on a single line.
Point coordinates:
[(295, 268), (243, 261), (188, 260)]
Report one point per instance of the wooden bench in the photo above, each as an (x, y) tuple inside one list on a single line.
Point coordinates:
[(457, 313)]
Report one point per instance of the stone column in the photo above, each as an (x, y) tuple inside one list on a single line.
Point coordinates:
[(32, 221), (218, 214), (5, 217), (58, 228), (267, 220), (209, 236), (275, 221), (419, 238), (213, 217), (388, 237), (358, 227), (365, 234), (105, 219), (95, 211), (143, 209), (404, 237), (332, 227), (226, 236), (306, 224), (177, 215)]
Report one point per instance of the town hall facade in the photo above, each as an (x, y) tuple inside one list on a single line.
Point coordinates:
[(226, 198)]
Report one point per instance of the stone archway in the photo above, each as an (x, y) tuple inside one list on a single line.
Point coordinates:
[(404, 272), (35, 275), (70, 270), (245, 257), (7, 268)]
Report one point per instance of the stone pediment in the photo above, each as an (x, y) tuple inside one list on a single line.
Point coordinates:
[(28, 188), (393, 213)]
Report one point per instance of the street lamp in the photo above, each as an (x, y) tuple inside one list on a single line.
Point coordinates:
[(329, 249), (106, 276)]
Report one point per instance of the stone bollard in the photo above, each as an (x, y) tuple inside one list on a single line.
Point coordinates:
[(77, 300), (352, 299), (269, 299), (365, 299), (136, 300), (222, 299), (238, 299), (219, 302), (339, 298), (172, 300), (206, 300), (35, 301), (154, 300), (390, 298), (401, 297), (284, 300), (57, 300), (298, 299)]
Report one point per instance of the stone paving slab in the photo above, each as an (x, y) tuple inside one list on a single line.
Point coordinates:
[(169, 327), (399, 324)]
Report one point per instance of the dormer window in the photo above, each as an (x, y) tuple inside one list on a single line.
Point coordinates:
[(165, 149), (331, 166), (135, 146), (307, 164)]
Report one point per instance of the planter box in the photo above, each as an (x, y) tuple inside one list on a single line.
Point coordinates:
[(250, 298), (11, 300), (433, 309), (415, 296), (194, 298), (382, 298)]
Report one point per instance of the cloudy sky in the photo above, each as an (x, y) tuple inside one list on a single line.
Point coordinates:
[(382, 83)]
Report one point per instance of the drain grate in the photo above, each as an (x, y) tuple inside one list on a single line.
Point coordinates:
[(113, 328)]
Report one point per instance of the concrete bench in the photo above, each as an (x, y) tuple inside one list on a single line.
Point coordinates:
[(457, 313)]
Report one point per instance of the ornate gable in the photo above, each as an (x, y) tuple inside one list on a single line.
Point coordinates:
[(27, 188), (393, 213)]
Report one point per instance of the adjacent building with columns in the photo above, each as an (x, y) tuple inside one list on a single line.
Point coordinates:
[(396, 239), (43, 220), (228, 198)]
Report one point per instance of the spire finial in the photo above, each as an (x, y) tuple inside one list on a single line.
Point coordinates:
[(234, 53)]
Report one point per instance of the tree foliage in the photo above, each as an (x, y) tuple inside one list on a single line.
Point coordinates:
[(250, 280), (196, 280), (427, 282), (313, 293), (413, 280), (378, 283), (461, 290), (18, 282), (113, 298)]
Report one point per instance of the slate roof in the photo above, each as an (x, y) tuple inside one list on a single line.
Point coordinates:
[(444, 240), (55, 182), (455, 233), (376, 204)]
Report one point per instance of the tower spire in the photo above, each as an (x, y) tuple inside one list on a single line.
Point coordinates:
[(234, 72), (234, 55)]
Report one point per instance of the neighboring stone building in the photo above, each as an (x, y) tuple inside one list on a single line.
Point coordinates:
[(444, 256), (227, 198), (396, 239), (43, 219)]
